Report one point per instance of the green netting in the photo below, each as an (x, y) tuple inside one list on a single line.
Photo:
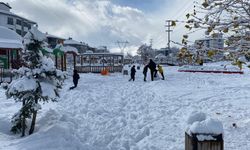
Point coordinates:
[(58, 52), (4, 61)]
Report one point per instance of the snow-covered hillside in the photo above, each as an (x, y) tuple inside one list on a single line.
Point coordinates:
[(110, 113)]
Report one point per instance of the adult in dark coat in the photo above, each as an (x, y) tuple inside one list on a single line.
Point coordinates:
[(76, 77), (132, 73), (145, 70), (152, 67)]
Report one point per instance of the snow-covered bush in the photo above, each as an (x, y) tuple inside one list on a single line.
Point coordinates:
[(4, 85), (38, 80)]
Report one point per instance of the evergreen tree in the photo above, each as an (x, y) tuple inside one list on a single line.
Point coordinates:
[(37, 81)]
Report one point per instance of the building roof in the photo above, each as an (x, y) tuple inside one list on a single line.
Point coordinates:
[(53, 36), (14, 15), (6, 4), (72, 42), (100, 54), (10, 39)]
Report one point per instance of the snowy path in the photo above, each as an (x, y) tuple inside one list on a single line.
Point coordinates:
[(110, 113)]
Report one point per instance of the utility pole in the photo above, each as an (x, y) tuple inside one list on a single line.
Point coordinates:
[(151, 43), (122, 45), (168, 25)]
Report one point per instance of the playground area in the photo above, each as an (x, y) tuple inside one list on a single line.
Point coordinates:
[(108, 112)]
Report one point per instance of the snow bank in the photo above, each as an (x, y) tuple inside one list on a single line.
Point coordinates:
[(208, 68)]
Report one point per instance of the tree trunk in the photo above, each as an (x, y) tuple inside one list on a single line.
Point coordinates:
[(23, 122), (33, 122)]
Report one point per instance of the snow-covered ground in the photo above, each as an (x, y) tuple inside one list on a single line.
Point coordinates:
[(110, 113)]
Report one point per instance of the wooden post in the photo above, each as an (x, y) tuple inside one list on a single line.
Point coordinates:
[(74, 57), (62, 62), (192, 142)]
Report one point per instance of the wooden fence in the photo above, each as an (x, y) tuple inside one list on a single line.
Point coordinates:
[(98, 69)]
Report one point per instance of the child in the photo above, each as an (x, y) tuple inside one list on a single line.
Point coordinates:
[(76, 77), (145, 70), (132, 74), (161, 71)]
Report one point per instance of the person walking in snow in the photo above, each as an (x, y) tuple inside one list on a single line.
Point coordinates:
[(152, 67), (76, 77), (132, 73), (161, 71), (145, 70)]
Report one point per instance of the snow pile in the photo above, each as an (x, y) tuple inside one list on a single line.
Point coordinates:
[(209, 68), (203, 127), (208, 126)]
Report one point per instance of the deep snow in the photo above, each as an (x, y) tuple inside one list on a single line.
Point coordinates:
[(110, 113)]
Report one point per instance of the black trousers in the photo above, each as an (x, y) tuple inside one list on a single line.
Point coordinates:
[(152, 74), (132, 77), (163, 78)]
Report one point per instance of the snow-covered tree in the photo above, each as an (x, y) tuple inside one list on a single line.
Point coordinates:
[(230, 17), (37, 81), (146, 52)]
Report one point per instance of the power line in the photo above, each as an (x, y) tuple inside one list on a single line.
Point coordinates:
[(122, 45)]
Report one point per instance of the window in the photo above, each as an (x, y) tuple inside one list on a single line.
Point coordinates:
[(19, 32), (19, 22), (25, 24), (10, 21), (11, 29)]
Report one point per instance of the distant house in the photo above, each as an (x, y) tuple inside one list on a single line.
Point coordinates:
[(80, 46), (14, 22), (53, 40), (216, 41), (101, 49)]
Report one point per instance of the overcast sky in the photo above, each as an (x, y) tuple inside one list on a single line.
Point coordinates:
[(103, 22)]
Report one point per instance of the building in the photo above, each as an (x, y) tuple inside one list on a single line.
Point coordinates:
[(102, 49), (14, 22), (80, 46), (215, 41), (53, 40)]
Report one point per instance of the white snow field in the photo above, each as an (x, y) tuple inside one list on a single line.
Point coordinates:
[(110, 113)]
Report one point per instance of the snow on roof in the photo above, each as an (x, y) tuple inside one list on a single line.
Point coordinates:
[(71, 41), (66, 48), (35, 34), (53, 36), (10, 39), (69, 49), (160, 56)]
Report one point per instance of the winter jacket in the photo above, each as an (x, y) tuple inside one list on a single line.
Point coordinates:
[(160, 69), (76, 77), (152, 65), (133, 71)]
